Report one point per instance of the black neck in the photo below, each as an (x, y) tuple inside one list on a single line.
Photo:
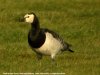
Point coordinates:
[(35, 28), (36, 36)]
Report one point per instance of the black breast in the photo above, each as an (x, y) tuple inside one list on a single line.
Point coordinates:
[(38, 42)]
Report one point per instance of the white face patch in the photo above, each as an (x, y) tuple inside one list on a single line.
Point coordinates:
[(29, 18)]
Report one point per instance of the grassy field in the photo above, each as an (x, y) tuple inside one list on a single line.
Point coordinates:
[(77, 21)]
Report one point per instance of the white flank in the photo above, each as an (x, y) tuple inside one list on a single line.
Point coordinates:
[(51, 46)]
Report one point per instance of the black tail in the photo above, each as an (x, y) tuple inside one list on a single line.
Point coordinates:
[(70, 50), (67, 47)]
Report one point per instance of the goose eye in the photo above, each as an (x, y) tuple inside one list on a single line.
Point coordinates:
[(27, 16)]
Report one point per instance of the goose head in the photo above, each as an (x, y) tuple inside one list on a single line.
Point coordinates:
[(30, 18)]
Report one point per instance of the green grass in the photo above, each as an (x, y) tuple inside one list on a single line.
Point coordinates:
[(77, 21)]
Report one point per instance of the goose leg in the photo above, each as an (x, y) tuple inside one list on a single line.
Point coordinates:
[(53, 57), (39, 56)]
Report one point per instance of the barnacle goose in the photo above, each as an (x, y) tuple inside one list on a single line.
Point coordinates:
[(44, 41)]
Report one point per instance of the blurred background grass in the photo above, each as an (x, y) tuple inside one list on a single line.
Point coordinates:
[(77, 21)]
